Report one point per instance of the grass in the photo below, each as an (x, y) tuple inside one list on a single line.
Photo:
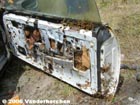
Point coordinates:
[(64, 90), (67, 90), (124, 20)]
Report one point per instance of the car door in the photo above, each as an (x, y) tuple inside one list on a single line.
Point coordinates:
[(69, 36)]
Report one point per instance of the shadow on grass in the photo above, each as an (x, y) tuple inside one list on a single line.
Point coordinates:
[(9, 80)]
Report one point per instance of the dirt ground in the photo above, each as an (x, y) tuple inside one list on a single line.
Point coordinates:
[(31, 83)]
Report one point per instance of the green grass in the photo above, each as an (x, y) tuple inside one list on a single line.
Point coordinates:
[(67, 91), (64, 90)]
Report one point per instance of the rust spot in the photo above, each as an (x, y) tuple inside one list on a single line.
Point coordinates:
[(77, 25), (36, 35), (105, 68), (109, 97), (27, 33), (32, 36), (105, 92), (79, 85), (52, 43), (88, 84), (85, 57), (50, 67), (42, 46), (82, 59)]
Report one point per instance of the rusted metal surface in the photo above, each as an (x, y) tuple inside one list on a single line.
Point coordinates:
[(105, 68), (65, 50)]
